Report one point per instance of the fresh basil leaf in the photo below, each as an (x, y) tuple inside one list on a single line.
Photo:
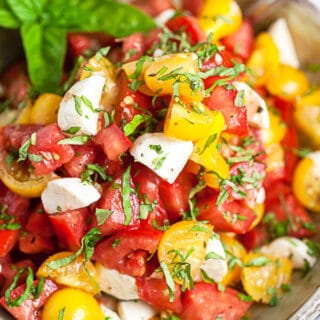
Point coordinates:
[(26, 10), (45, 49), (7, 18), (114, 18)]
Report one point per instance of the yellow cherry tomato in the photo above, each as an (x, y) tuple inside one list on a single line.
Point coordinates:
[(235, 253), (182, 248), (264, 276), (264, 60), (287, 82), (220, 18), (306, 181), (78, 273), (277, 130), (168, 76), (45, 108), (19, 180), (188, 122), (105, 67), (307, 117), (72, 304), (259, 211), (24, 115)]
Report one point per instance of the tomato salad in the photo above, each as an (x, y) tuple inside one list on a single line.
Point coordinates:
[(162, 178)]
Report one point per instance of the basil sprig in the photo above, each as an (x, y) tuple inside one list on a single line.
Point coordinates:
[(44, 25)]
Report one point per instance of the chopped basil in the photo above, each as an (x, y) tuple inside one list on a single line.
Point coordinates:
[(72, 76), (274, 298), (23, 150), (77, 105), (102, 215), (102, 53), (209, 141), (136, 121), (92, 172), (73, 130), (61, 313), (258, 262), (88, 103), (239, 99), (34, 157), (126, 195), (244, 297), (77, 140), (156, 147), (213, 255), (158, 162), (169, 280)]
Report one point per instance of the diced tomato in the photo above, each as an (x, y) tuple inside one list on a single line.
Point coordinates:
[(113, 141), (241, 41), (116, 251), (70, 227), (129, 103), (175, 196), (152, 7), (281, 202), (224, 100), (82, 45), (193, 6), (231, 216), (83, 155), (12, 136), (133, 47), (147, 183), (285, 107), (8, 239), (221, 58), (189, 25), (155, 292), (112, 201), (31, 243), (30, 307), (206, 302), (255, 238), (39, 223), (52, 154)]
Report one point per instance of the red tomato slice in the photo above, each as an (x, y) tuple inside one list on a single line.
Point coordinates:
[(155, 292), (116, 251), (31, 243), (241, 41), (8, 239), (133, 47), (255, 238), (193, 6), (206, 302)]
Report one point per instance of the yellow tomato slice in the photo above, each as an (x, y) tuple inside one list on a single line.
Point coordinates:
[(45, 108), (236, 253), (24, 116), (72, 304), (21, 182), (265, 277), (220, 18), (183, 248), (78, 273), (287, 82), (275, 157), (306, 181)]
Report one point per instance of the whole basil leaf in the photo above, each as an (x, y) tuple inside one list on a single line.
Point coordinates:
[(45, 48), (27, 10), (114, 18), (7, 18)]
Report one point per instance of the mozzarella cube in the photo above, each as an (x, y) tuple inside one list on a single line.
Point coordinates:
[(65, 194), (135, 310), (108, 313), (257, 111), (118, 285), (281, 36), (79, 106), (215, 265), (292, 248), (164, 155)]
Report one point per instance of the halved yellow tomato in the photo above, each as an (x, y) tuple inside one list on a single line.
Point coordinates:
[(182, 248), (72, 304), (78, 273)]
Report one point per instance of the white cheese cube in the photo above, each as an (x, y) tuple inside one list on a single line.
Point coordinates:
[(65, 194), (164, 155), (292, 248), (116, 284), (257, 111), (135, 310), (280, 33), (79, 106)]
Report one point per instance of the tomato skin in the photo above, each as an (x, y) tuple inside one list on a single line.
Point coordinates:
[(30, 308), (189, 25), (111, 199), (115, 252), (193, 6), (235, 117), (53, 154), (155, 292), (31, 243), (175, 196), (152, 7), (133, 47), (241, 41), (206, 302), (224, 217), (8, 239), (83, 155), (113, 141), (70, 227), (255, 237), (81, 44)]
